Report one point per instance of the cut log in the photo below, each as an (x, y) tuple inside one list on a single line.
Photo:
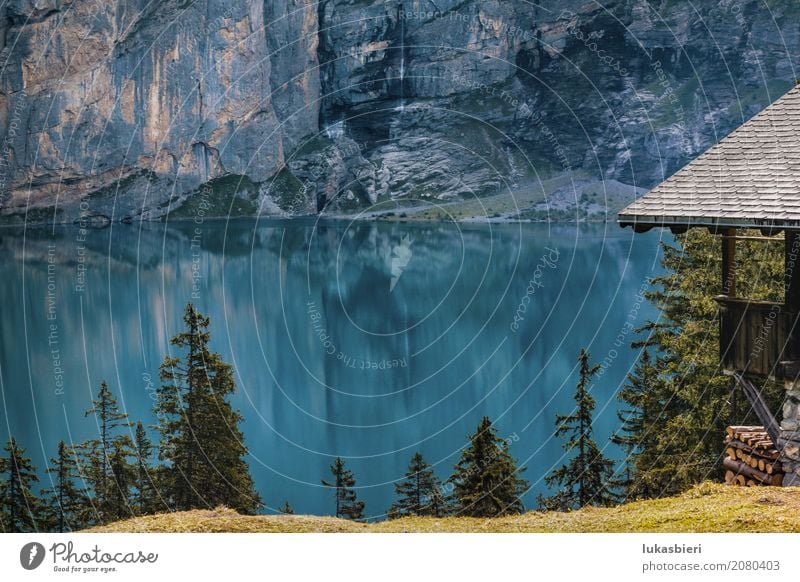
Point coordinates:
[(748, 456), (733, 430), (751, 457), (755, 437), (767, 453), (741, 468)]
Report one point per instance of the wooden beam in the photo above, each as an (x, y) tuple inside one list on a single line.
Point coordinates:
[(792, 270), (729, 262), (776, 239)]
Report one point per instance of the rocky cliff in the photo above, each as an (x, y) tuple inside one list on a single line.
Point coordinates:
[(147, 108)]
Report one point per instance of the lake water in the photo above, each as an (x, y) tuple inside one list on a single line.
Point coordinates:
[(366, 340)]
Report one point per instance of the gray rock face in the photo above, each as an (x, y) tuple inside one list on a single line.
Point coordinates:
[(140, 109)]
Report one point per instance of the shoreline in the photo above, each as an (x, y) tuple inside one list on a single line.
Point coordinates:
[(305, 218)]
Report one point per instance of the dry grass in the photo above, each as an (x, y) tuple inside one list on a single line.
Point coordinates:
[(705, 508)]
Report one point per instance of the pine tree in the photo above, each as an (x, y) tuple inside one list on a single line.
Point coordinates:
[(145, 498), (20, 509), (587, 478), (67, 504), (486, 480), (96, 453), (286, 509), (420, 493), (200, 437), (347, 504)]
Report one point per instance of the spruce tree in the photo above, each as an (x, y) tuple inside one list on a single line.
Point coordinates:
[(201, 441), (420, 492), (587, 478), (286, 509), (119, 505), (439, 504), (145, 497), (486, 480), (347, 504), (67, 503), (96, 453), (20, 509), (644, 409)]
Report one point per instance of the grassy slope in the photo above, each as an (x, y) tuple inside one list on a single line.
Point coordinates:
[(706, 508)]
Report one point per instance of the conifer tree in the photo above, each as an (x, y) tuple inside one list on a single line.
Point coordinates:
[(67, 503), (486, 481), (644, 409), (286, 509), (586, 479), (96, 453), (420, 492), (20, 509), (439, 503), (201, 441), (347, 504), (119, 495), (145, 497)]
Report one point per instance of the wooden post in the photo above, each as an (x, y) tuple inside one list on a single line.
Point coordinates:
[(729, 262), (792, 272), (726, 329), (791, 286)]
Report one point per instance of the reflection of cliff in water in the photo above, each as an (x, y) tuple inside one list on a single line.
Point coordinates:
[(413, 367)]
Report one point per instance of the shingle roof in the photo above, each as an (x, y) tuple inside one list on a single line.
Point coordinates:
[(749, 179)]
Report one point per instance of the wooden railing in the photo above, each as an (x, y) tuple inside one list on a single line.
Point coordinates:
[(759, 338)]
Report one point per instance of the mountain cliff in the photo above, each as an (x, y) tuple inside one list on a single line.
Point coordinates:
[(190, 109)]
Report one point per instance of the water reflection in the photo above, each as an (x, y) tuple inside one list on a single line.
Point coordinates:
[(365, 340)]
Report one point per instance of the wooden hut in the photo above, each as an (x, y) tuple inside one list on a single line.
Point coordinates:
[(749, 180)]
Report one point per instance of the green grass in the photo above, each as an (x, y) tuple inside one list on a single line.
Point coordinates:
[(228, 196), (121, 186), (497, 204), (287, 190), (708, 507)]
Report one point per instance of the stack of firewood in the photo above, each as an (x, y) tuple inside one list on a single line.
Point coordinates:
[(751, 458)]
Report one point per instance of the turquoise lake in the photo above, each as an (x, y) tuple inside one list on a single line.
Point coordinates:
[(366, 340)]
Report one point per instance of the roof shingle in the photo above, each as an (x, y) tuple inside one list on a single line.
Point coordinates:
[(751, 178)]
